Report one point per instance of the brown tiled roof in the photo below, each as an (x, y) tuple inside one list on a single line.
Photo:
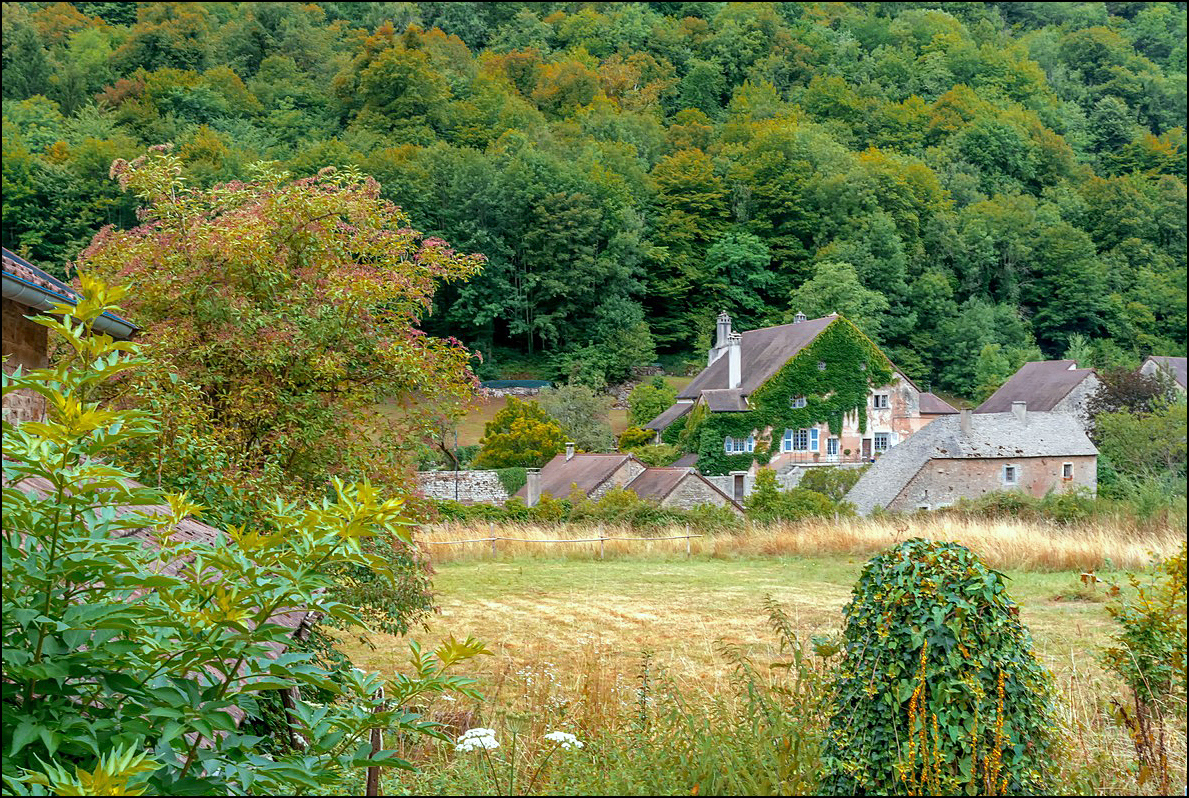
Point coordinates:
[(932, 403), (1175, 366), (657, 483), (588, 471), (725, 400), (668, 416), (762, 353), (1042, 384), (20, 268)]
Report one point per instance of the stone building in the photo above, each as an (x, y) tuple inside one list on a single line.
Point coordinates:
[(1174, 367), (682, 488), (27, 291), (738, 379), (1049, 386), (972, 454)]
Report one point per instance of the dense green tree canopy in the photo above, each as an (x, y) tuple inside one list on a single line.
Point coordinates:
[(1007, 174)]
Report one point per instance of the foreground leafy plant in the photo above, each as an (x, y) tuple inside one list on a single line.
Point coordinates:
[(939, 690), (131, 651)]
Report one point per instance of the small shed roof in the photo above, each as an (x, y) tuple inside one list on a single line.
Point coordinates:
[(1042, 384), (725, 400), (587, 471), (1175, 366), (669, 415), (931, 403)]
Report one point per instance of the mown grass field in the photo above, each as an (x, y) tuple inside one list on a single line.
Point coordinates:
[(568, 635)]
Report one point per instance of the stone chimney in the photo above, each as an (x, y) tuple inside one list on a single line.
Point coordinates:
[(534, 486), (964, 420), (800, 317), (735, 359), (724, 330), (1020, 411), (569, 451)]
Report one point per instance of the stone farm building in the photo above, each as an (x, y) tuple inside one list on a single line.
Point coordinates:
[(1174, 367), (1049, 386), (814, 392), (971, 454), (593, 475), (27, 291)]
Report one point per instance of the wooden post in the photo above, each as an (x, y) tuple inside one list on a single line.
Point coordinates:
[(491, 532), (373, 771), (602, 544), (687, 541), (493, 540)]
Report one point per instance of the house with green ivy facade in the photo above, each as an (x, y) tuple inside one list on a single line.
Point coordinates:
[(815, 392)]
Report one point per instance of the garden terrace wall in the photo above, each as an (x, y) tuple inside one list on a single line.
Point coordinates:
[(468, 487)]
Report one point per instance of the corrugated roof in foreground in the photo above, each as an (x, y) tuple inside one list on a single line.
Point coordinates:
[(992, 436)]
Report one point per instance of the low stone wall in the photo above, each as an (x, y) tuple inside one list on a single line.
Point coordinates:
[(469, 487), (501, 392)]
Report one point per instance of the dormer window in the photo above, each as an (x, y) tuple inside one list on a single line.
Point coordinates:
[(797, 402)]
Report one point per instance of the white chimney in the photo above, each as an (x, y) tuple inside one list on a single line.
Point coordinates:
[(569, 450), (724, 330), (735, 359), (534, 486), (1020, 411), (800, 317), (964, 420)]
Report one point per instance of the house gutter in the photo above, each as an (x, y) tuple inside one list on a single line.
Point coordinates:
[(35, 296)]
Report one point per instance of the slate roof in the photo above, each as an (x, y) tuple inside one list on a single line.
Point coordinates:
[(932, 403), (992, 436), (762, 353), (686, 461), (588, 471), (667, 417), (725, 400), (1175, 366), (1042, 384)]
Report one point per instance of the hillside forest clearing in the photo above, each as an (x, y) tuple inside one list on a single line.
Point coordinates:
[(571, 634)]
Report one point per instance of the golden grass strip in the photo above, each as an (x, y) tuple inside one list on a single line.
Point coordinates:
[(1002, 543)]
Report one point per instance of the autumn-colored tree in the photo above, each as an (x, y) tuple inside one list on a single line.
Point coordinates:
[(287, 310), (522, 434)]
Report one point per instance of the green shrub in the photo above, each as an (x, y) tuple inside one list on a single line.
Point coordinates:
[(713, 518), (649, 399), (632, 437), (768, 503), (831, 481), (512, 478), (657, 455), (1068, 506), (939, 691)]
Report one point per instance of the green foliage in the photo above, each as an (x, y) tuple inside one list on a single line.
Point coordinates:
[(767, 503), (512, 478), (831, 481), (853, 365), (581, 414), (649, 399), (939, 690), (522, 435), (656, 455), (125, 663), (633, 437), (1145, 444)]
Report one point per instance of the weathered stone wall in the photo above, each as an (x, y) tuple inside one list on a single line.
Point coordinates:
[(472, 486), (692, 491), (1075, 401), (942, 482), (26, 345), (497, 393), (622, 476)]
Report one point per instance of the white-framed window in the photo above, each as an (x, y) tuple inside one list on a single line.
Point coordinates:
[(881, 441), (1067, 470), (879, 401), (1011, 475), (798, 440), (797, 401), (831, 446), (751, 443), (728, 444), (739, 445), (821, 365)]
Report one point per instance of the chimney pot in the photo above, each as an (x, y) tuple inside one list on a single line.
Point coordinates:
[(533, 484), (735, 359), (1020, 411), (964, 420), (800, 317), (569, 450)]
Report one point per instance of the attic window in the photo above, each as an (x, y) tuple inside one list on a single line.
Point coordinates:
[(797, 401), (821, 365)]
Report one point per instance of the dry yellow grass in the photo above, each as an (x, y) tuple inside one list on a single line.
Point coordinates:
[(1002, 544)]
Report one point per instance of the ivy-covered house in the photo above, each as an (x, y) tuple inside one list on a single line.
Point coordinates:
[(814, 392)]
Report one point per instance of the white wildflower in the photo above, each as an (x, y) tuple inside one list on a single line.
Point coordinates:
[(477, 738), (564, 739), (447, 698)]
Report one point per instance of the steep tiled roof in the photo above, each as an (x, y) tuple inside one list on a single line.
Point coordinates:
[(588, 471), (762, 353), (1042, 384), (1175, 366), (20, 268), (671, 414), (992, 436), (931, 403)]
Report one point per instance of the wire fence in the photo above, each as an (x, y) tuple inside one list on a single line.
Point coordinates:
[(601, 540)]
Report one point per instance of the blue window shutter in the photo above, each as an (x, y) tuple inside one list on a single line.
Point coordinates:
[(813, 440)]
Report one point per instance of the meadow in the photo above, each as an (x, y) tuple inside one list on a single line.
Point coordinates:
[(646, 646)]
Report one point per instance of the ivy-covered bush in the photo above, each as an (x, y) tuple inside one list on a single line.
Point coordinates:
[(832, 481), (939, 691), (834, 373), (768, 503)]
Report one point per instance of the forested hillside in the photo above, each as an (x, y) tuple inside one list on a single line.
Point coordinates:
[(968, 182)]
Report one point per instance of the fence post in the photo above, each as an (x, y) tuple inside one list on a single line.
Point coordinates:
[(373, 771), (491, 533), (687, 541), (493, 540), (602, 543)]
